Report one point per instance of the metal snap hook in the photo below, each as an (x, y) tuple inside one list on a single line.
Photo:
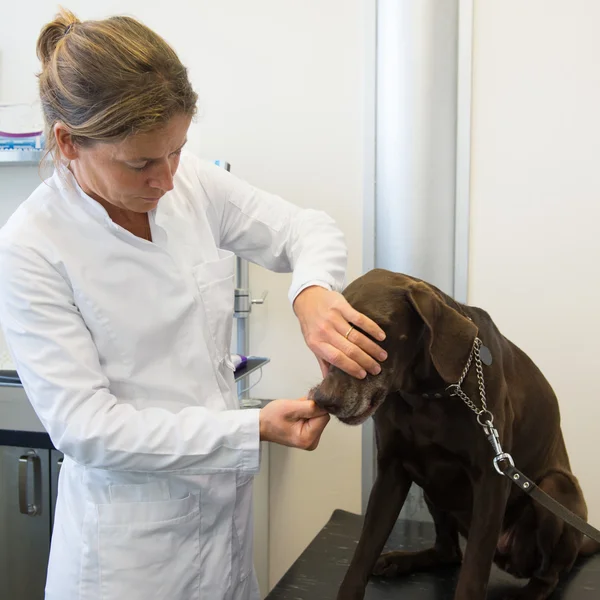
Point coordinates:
[(500, 458)]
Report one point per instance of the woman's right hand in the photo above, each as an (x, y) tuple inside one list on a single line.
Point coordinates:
[(295, 423)]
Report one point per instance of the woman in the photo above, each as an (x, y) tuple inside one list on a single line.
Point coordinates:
[(116, 305)]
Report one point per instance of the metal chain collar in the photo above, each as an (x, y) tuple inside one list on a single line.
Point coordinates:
[(483, 414), (484, 417)]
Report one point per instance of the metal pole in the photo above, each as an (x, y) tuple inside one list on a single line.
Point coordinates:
[(242, 294), (242, 304)]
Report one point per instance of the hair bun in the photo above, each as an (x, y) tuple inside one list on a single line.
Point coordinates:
[(52, 33)]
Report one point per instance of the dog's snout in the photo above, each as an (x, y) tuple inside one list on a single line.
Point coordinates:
[(350, 400), (323, 399)]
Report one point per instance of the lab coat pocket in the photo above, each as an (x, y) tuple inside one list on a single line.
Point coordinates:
[(149, 549), (243, 528), (215, 280)]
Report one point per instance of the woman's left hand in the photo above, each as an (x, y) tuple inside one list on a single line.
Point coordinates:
[(330, 328)]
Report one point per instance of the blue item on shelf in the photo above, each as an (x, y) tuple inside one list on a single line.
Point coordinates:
[(33, 140)]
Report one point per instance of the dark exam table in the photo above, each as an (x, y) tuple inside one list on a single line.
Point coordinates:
[(318, 572)]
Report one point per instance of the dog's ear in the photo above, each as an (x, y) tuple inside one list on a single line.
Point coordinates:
[(450, 335)]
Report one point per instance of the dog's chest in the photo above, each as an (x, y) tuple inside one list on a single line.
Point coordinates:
[(425, 423), (433, 440)]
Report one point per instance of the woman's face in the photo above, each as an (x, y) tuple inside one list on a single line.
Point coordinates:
[(132, 174)]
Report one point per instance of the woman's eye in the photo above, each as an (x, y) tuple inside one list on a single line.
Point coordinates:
[(141, 167), (138, 167)]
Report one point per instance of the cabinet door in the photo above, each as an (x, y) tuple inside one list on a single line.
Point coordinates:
[(24, 522)]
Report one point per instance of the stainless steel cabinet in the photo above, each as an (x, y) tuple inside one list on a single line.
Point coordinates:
[(25, 522)]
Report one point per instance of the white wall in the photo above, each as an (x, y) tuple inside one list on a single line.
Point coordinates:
[(281, 96), (535, 189)]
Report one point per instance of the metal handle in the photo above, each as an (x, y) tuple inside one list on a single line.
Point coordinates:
[(26, 508), (260, 300), (243, 303)]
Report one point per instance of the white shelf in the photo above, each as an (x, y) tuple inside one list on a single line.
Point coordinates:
[(20, 157)]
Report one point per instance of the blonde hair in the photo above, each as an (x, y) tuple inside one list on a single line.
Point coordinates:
[(105, 80)]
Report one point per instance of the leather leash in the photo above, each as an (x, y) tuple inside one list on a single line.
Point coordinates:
[(503, 462), (529, 487)]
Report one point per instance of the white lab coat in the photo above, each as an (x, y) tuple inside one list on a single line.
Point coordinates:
[(123, 348)]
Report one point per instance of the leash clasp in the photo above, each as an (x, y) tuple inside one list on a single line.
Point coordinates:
[(500, 458), (494, 439)]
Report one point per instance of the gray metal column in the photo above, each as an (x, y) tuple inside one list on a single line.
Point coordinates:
[(242, 293), (416, 138), (415, 151), (242, 305)]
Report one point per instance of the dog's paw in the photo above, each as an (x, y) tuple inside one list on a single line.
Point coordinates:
[(392, 564)]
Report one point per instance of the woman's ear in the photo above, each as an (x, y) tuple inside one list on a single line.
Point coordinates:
[(64, 141)]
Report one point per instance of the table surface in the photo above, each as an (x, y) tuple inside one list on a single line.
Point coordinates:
[(318, 572)]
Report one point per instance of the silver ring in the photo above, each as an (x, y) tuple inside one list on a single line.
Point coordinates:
[(487, 415), (349, 331)]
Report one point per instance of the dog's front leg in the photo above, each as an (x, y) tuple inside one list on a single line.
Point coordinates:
[(490, 494), (385, 502)]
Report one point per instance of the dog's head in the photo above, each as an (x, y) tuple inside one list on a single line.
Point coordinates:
[(427, 341)]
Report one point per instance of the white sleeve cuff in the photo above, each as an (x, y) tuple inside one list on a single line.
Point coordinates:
[(250, 428), (295, 289)]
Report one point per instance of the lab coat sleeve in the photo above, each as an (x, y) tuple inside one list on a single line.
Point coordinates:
[(267, 230), (61, 372)]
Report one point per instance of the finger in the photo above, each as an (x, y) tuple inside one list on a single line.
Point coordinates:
[(364, 343), (334, 356), (317, 426), (319, 413), (358, 355), (306, 409), (349, 346), (315, 411), (314, 445), (319, 423), (356, 345), (360, 349), (363, 322)]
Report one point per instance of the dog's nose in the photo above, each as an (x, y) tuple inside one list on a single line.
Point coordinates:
[(323, 400)]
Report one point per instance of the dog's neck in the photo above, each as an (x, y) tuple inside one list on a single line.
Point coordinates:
[(424, 381)]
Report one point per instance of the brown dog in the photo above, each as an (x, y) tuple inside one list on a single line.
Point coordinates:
[(425, 435)]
